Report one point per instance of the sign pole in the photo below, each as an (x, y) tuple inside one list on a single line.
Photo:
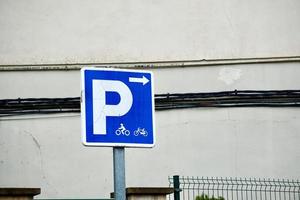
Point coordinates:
[(119, 173)]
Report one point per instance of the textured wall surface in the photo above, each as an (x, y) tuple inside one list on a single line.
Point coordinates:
[(73, 31), (45, 150)]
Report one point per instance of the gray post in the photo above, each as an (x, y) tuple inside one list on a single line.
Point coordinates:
[(119, 173)]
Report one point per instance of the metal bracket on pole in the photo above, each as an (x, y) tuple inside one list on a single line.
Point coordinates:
[(119, 173)]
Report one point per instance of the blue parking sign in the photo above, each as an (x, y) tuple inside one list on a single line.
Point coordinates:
[(117, 107)]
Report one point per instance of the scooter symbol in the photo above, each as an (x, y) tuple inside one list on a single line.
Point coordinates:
[(122, 130)]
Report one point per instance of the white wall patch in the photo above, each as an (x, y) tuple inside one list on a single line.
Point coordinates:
[(229, 75)]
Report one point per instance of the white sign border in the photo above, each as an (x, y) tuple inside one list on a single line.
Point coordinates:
[(83, 116)]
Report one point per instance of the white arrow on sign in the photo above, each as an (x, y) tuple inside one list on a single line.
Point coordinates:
[(143, 80)]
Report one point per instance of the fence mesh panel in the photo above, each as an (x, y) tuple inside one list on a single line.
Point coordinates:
[(236, 188)]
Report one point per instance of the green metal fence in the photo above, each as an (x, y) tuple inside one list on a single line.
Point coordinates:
[(188, 188)]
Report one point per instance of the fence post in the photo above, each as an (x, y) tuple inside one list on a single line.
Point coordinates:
[(176, 185)]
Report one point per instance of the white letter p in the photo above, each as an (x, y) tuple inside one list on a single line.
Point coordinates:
[(101, 110)]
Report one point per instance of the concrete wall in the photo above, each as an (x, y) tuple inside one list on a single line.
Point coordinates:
[(45, 150), (72, 31)]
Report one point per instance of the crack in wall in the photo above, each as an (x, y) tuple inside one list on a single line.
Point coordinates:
[(38, 145)]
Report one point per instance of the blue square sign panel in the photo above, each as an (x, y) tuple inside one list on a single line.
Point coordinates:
[(117, 107)]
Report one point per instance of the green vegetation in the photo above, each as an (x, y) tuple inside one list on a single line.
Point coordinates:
[(206, 197)]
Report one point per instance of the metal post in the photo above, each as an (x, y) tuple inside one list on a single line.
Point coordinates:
[(176, 185), (119, 173)]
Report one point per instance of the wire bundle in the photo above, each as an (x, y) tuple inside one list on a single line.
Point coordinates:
[(242, 98), (12, 107)]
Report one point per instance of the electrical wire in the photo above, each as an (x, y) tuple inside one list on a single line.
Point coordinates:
[(236, 98)]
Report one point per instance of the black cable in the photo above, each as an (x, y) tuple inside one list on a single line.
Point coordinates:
[(236, 98)]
